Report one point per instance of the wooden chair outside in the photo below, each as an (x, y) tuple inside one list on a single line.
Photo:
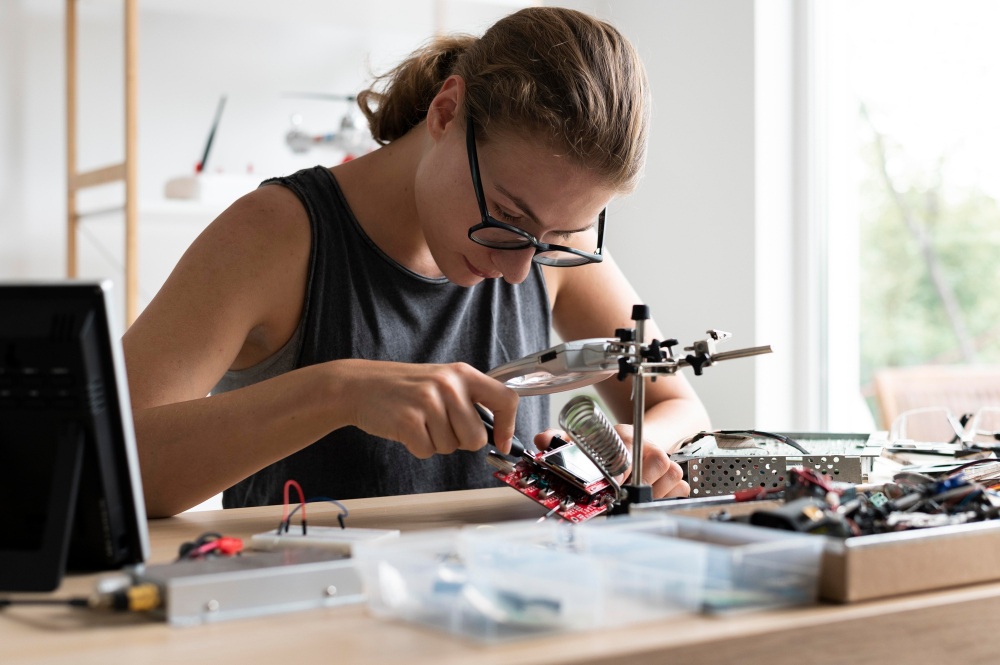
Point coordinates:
[(958, 388)]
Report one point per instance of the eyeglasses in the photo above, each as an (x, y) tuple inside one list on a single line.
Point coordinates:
[(495, 234), (938, 424)]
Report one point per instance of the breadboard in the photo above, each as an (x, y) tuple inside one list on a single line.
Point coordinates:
[(324, 537)]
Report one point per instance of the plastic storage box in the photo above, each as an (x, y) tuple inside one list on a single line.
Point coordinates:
[(738, 566), (523, 579), (517, 591)]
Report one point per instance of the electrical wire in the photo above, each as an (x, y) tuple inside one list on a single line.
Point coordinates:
[(71, 602), (285, 517), (210, 544), (548, 514), (135, 598), (809, 475), (317, 499), (781, 438)]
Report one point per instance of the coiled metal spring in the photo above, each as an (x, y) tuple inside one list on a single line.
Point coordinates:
[(588, 427)]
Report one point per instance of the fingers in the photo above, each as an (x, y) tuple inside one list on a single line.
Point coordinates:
[(452, 422), (658, 470), (498, 409), (434, 409), (678, 491), (501, 401), (671, 485), (543, 440), (664, 475)]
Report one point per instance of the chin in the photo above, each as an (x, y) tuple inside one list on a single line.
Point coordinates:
[(466, 280)]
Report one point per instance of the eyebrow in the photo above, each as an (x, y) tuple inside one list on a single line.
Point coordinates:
[(531, 215)]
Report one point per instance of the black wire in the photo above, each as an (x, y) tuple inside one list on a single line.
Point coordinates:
[(788, 441), (286, 524), (974, 449), (912, 478), (72, 602), (185, 550)]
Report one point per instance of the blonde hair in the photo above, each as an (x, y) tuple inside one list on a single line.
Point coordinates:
[(554, 73)]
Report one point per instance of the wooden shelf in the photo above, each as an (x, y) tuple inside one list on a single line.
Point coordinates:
[(126, 171)]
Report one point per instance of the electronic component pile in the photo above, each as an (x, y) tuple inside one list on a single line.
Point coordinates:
[(815, 504)]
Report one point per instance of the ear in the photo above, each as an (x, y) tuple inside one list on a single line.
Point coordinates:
[(447, 107)]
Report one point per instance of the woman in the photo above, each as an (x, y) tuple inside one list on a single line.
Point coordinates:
[(343, 318)]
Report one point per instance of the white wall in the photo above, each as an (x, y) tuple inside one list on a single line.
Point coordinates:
[(707, 239), (11, 127), (190, 53), (708, 236)]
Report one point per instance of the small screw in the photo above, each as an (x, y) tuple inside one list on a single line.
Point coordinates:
[(212, 606), (331, 590)]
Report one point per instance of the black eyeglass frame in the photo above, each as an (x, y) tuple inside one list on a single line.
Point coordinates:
[(529, 240)]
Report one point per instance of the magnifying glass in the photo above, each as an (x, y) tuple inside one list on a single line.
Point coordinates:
[(558, 368), (584, 362)]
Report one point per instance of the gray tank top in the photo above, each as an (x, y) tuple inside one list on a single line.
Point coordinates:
[(359, 303)]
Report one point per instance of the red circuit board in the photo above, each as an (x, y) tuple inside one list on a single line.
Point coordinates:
[(549, 490)]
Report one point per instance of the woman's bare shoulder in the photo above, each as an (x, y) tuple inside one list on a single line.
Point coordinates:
[(234, 297), (269, 215)]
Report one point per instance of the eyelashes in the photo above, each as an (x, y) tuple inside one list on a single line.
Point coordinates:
[(505, 216), (513, 220)]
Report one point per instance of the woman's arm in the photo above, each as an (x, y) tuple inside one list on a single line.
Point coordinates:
[(233, 300)]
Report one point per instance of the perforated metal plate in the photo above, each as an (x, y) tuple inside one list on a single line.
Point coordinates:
[(719, 471), (714, 476), (842, 468), (711, 476)]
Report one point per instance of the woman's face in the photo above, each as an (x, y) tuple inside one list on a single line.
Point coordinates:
[(525, 185)]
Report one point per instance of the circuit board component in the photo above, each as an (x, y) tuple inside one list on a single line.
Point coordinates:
[(562, 479)]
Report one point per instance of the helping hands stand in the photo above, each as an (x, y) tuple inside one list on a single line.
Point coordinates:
[(638, 359)]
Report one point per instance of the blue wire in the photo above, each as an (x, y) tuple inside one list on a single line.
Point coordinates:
[(968, 497)]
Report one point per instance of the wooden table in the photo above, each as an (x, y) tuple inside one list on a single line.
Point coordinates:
[(953, 626)]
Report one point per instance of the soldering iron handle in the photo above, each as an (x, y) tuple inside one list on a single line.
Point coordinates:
[(516, 447)]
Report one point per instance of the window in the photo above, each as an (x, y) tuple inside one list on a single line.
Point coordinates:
[(913, 180)]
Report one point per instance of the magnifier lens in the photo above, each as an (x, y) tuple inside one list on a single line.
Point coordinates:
[(542, 379), (563, 367), (544, 383)]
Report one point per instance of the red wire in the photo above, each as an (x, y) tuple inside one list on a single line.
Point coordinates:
[(207, 547), (813, 476), (302, 500)]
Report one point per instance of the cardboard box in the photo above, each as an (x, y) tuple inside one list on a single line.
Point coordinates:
[(893, 564), (882, 565)]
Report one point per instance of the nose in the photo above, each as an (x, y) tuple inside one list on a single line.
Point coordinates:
[(514, 264)]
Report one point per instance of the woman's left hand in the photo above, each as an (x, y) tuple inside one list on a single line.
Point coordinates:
[(658, 470)]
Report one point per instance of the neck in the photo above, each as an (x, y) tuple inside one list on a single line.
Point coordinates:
[(379, 187)]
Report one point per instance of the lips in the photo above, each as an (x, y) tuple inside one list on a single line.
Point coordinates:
[(478, 272)]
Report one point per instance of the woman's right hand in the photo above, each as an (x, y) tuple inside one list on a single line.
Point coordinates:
[(430, 409)]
